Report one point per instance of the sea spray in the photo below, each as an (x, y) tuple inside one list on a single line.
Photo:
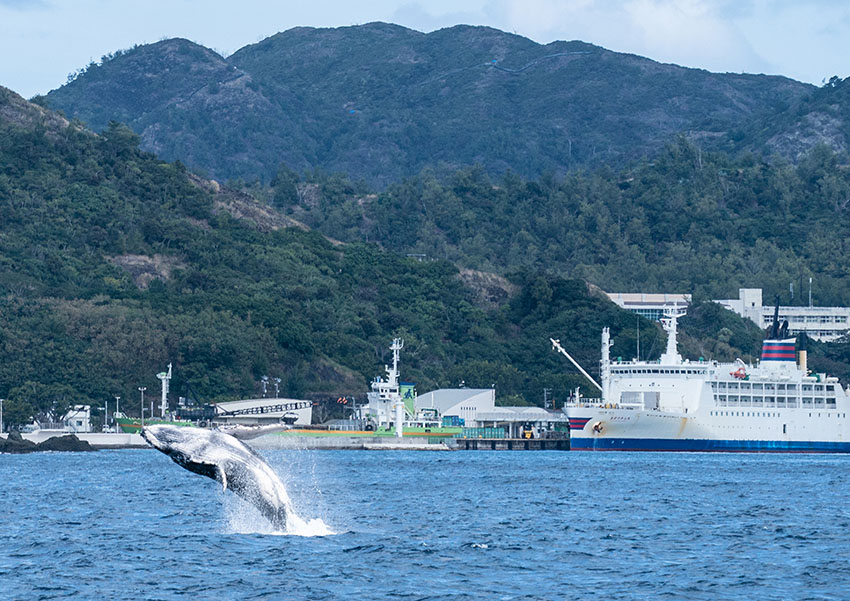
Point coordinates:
[(300, 496), (243, 518)]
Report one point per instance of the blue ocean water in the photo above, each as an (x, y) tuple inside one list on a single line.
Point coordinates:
[(131, 524)]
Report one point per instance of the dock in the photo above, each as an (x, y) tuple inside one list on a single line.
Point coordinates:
[(512, 444)]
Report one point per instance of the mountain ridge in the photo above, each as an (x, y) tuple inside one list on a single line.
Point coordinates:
[(381, 102)]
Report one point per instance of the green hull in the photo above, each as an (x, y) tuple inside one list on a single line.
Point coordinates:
[(134, 426), (442, 432)]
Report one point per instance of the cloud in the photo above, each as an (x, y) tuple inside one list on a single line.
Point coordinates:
[(695, 33), (416, 17)]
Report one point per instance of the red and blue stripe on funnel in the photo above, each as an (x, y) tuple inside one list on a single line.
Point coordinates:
[(778, 350)]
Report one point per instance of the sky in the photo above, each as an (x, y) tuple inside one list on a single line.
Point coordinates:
[(43, 41)]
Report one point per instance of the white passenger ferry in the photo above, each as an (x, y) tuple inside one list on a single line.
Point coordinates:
[(676, 405)]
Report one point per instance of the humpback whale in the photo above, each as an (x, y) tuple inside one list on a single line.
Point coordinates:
[(228, 460)]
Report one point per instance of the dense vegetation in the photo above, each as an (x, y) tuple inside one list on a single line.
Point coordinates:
[(116, 263), (380, 102), (688, 222)]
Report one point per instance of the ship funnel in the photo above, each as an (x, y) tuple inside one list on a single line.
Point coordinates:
[(802, 354), (778, 351)]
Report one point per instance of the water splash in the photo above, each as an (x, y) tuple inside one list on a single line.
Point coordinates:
[(296, 526), (243, 518)]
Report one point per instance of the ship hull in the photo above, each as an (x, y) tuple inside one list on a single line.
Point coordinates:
[(706, 445), (785, 431)]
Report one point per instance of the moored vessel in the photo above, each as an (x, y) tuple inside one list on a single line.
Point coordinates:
[(678, 405)]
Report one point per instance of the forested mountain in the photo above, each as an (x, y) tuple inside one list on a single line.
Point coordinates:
[(116, 263), (380, 102), (688, 222), (819, 117)]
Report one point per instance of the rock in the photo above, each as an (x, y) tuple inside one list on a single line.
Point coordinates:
[(65, 443), (16, 444)]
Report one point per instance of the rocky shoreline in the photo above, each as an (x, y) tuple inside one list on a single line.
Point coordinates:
[(16, 444)]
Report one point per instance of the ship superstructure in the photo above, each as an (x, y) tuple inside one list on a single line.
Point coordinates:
[(677, 405), (391, 406)]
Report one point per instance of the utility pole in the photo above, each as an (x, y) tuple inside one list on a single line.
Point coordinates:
[(1, 416), (142, 412)]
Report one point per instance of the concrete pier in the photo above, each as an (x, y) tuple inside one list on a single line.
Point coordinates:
[(512, 444)]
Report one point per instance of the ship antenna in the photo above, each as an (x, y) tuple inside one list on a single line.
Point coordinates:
[(774, 329)]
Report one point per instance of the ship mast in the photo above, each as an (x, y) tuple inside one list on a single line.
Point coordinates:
[(671, 355), (392, 377), (605, 365)]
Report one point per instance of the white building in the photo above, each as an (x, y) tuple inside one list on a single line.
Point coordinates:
[(265, 411), (77, 419), (465, 403), (649, 305), (820, 323)]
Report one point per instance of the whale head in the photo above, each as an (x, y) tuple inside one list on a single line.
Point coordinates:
[(164, 437)]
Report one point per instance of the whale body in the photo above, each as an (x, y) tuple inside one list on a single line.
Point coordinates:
[(227, 460)]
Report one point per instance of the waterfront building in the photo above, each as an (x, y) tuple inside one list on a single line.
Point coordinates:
[(649, 305), (820, 323)]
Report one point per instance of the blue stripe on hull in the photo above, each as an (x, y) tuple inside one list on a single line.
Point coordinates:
[(752, 446)]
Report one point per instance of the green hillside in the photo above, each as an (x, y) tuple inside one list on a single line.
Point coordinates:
[(690, 221), (380, 102), (116, 263)]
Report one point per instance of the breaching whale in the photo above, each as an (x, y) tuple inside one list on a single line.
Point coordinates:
[(228, 460)]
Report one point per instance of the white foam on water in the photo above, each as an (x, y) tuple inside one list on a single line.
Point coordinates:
[(243, 518), (295, 526)]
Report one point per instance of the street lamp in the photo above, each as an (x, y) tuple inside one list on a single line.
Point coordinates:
[(142, 413), (265, 380), (277, 388)]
